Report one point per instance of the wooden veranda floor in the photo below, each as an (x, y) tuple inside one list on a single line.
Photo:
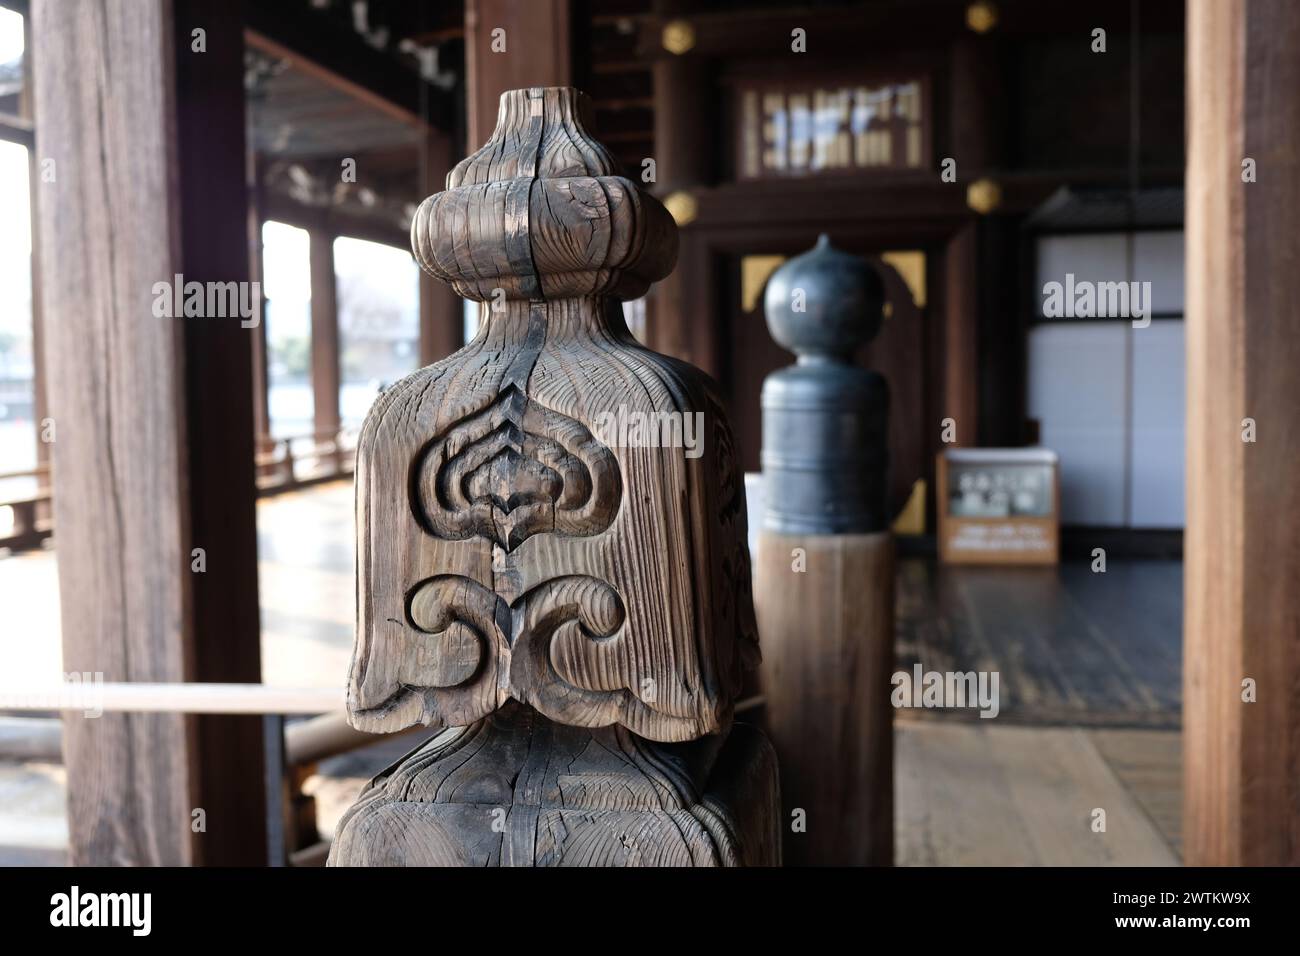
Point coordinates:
[(1089, 669)]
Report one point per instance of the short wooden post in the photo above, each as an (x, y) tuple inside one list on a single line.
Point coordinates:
[(551, 545), (825, 578)]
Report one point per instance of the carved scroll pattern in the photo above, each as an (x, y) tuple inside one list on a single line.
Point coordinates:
[(512, 470), (559, 648)]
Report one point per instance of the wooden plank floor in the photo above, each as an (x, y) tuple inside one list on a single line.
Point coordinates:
[(1150, 765), (307, 585), (305, 578), (969, 794), (1070, 646), (33, 815)]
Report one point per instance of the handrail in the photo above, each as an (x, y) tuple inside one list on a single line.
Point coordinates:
[(32, 522), (95, 696), (36, 472), (306, 742), (31, 738), (333, 451)]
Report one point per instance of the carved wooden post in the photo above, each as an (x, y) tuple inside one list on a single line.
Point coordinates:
[(537, 565), (825, 579)]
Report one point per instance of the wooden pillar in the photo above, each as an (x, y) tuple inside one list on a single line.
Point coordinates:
[(961, 335), (686, 131), (686, 116), (325, 370), (574, 596), (511, 44), (977, 144), (441, 316), (154, 450), (824, 581), (1242, 616)]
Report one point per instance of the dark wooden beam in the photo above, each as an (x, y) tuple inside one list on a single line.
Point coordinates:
[(1241, 746), (847, 32), (339, 56), (977, 142), (220, 441), (538, 52), (913, 197), (154, 450), (442, 326), (335, 222), (961, 319), (686, 118), (685, 143)]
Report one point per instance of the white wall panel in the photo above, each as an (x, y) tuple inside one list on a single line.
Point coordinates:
[(1077, 392), (1102, 257), (1159, 409), (1158, 259)]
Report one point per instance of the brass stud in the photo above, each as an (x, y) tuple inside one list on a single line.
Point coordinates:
[(984, 195), (682, 207), (678, 36), (982, 17)]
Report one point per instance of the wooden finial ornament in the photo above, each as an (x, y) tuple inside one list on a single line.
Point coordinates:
[(574, 596)]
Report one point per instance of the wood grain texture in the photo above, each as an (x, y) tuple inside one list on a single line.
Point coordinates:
[(566, 588), (460, 473), (1242, 760), (828, 653), (537, 212), (516, 789), (151, 458), (505, 550), (1071, 646), (970, 794), (441, 310), (118, 488), (1150, 765)]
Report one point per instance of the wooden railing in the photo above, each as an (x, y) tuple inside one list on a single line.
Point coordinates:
[(33, 515), (287, 464), (282, 468), (300, 745)]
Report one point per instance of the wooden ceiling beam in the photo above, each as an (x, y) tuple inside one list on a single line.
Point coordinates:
[(438, 36), (343, 60), (764, 34)]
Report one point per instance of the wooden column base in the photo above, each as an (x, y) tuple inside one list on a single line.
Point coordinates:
[(516, 789), (828, 652)]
